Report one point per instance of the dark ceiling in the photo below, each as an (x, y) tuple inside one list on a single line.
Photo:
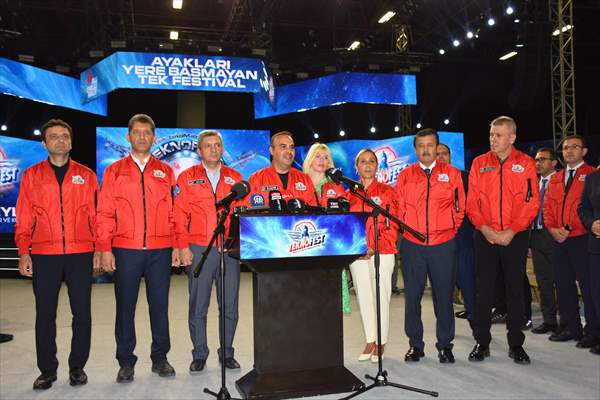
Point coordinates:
[(468, 84)]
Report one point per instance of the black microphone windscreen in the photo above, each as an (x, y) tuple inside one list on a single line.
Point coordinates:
[(241, 189)]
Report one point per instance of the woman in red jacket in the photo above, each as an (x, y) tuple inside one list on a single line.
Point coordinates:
[(363, 269)]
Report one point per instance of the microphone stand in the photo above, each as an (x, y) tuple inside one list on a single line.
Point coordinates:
[(381, 380), (219, 236)]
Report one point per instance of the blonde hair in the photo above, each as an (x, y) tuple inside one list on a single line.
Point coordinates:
[(506, 121), (363, 151), (208, 133), (312, 153)]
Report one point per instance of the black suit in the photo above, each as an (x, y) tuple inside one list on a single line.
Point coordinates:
[(589, 211)]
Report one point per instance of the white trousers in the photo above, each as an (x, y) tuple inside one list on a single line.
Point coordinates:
[(363, 277)]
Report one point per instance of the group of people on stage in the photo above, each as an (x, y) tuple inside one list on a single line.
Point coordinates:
[(141, 222)]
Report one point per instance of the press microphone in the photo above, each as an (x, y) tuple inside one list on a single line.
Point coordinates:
[(333, 205), (344, 204), (276, 202), (238, 191), (336, 175), (297, 206)]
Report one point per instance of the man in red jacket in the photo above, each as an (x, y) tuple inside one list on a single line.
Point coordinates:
[(502, 202), (571, 253), (136, 235), (280, 176), (198, 190), (431, 199), (56, 214)]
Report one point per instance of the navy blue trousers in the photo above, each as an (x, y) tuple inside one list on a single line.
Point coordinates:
[(465, 277), (155, 267), (437, 262)]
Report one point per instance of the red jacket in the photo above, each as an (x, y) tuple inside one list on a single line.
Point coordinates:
[(331, 190), (383, 195), (195, 211), (433, 206), (503, 196), (135, 210), (561, 210), (299, 185), (53, 219)]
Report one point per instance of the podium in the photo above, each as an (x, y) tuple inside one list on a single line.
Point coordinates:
[(298, 329)]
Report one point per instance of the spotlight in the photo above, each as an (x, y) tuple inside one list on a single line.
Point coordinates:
[(342, 133), (446, 121), (456, 43), (373, 130), (508, 55), (316, 135), (517, 20), (519, 45), (386, 17), (37, 132), (491, 21), (396, 128), (3, 128), (177, 4), (442, 51), (509, 10), (470, 35), (354, 45), (174, 35), (419, 125)]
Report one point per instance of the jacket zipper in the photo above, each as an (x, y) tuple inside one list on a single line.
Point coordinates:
[(144, 202), (501, 223), (62, 220), (562, 213), (427, 210)]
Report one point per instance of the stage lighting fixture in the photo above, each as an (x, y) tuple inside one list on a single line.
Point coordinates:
[(373, 129), (456, 43), (442, 51), (26, 58), (508, 55), (96, 53), (386, 17), (563, 29), (3, 128), (342, 133), (419, 125), (354, 45), (509, 10), (491, 21), (446, 121), (396, 128), (517, 20), (316, 135), (37, 132), (470, 35), (118, 44), (214, 49), (177, 4), (174, 35)]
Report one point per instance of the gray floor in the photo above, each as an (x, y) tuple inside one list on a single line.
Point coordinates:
[(558, 370)]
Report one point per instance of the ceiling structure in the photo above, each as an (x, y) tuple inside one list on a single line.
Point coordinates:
[(309, 38)]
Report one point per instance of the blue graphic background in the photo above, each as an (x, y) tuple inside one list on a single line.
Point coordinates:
[(22, 154), (266, 237), (111, 75), (343, 152), (245, 150), (345, 87), (45, 86)]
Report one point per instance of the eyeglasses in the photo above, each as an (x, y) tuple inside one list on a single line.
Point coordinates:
[(571, 147), (542, 159)]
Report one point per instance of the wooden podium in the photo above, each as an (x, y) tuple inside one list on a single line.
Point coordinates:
[(298, 327)]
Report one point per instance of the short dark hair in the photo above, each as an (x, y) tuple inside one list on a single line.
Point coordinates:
[(279, 134), (447, 148), (56, 122), (142, 118), (575, 136), (549, 151), (426, 132)]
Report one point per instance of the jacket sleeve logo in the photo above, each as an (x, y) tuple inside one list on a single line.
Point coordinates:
[(443, 178), (158, 173), (229, 180), (517, 168), (77, 180), (582, 178), (330, 193), (300, 186), (376, 200)]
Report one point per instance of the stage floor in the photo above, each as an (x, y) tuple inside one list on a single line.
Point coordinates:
[(557, 371)]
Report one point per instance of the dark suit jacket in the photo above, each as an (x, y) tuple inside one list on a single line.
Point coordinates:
[(589, 209)]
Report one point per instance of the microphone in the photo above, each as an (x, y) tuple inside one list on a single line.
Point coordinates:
[(333, 205), (276, 202), (336, 175), (239, 190), (344, 204), (297, 206)]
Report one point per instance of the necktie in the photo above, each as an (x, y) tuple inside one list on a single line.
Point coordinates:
[(427, 171), (570, 180), (540, 216)]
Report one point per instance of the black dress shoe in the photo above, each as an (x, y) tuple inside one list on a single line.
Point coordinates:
[(498, 318), (479, 353), (414, 354), (445, 356), (461, 314), (563, 336), (44, 381), (196, 366), (125, 374), (231, 363), (518, 354), (595, 349), (544, 328), (163, 369), (5, 337), (77, 377), (587, 342)]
